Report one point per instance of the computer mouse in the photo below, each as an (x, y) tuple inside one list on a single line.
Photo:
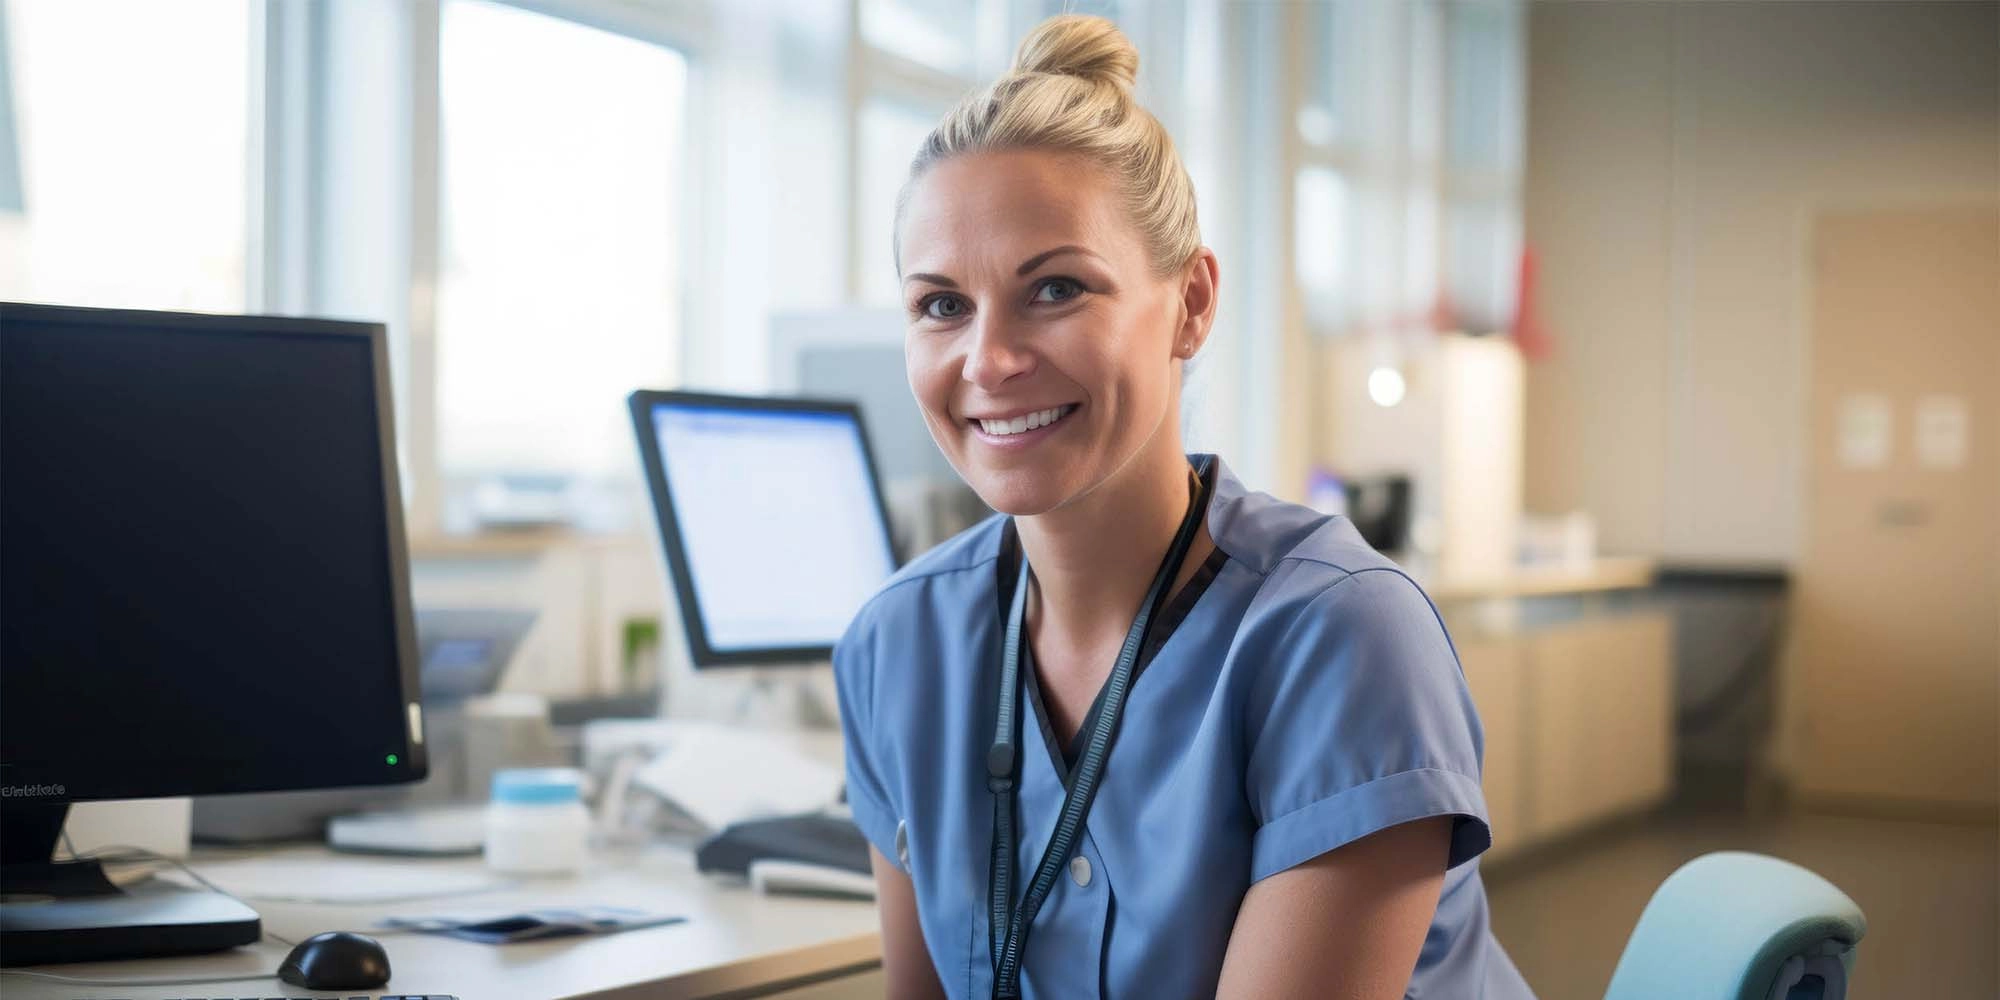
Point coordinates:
[(336, 960)]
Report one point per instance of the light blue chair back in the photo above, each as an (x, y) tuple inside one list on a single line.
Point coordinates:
[(1737, 926)]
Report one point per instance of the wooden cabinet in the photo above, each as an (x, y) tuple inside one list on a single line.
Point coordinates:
[(1493, 672), (1599, 703), (1579, 722)]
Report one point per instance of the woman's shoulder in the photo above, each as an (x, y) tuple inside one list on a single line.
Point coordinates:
[(1309, 566), (1278, 538), (961, 563)]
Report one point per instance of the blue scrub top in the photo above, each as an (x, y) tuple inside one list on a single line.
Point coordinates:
[(1307, 697)]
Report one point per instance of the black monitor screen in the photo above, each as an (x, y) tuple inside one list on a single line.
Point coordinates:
[(201, 565)]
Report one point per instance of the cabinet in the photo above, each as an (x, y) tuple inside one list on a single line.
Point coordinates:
[(1493, 672), (1599, 703), (1579, 723)]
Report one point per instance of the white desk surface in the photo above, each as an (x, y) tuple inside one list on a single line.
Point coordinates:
[(733, 939)]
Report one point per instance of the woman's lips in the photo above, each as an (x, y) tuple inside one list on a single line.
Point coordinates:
[(1027, 437)]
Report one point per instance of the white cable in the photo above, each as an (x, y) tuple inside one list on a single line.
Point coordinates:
[(74, 981), (126, 852), (141, 854), (384, 900)]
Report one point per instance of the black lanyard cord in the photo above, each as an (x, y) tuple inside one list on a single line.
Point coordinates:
[(1008, 928)]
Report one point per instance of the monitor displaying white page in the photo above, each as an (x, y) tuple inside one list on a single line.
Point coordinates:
[(778, 518)]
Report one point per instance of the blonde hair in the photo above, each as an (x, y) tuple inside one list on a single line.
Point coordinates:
[(1070, 91)]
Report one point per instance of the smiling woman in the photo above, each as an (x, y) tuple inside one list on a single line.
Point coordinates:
[(1030, 291), (1287, 802)]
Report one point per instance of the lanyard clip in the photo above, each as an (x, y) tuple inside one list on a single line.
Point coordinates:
[(1000, 767)]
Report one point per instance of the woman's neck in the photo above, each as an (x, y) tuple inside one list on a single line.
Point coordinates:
[(1095, 558)]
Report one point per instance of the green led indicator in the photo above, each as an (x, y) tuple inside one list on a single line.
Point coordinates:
[(391, 759)]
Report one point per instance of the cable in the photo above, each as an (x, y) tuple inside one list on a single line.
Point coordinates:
[(74, 981), (125, 852), (141, 854), (410, 897), (119, 853)]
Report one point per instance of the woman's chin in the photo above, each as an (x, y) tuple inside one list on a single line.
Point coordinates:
[(1018, 492)]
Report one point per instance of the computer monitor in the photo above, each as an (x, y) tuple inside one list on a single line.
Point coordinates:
[(204, 591), (771, 519), (857, 353)]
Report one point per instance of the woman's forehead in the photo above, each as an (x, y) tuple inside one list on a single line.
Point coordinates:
[(993, 210)]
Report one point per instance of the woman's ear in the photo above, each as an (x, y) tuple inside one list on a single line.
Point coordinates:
[(1200, 280)]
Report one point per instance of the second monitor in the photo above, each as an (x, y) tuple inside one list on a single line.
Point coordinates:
[(771, 517)]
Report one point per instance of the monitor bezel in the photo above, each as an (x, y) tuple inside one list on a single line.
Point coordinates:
[(414, 756), (641, 403)]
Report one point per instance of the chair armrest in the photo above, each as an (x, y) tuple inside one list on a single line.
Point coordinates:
[(1723, 926)]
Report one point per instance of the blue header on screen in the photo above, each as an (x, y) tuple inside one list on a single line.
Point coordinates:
[(779, 521)]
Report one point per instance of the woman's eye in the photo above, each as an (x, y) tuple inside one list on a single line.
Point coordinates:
[(944, 307), (1057, 290)]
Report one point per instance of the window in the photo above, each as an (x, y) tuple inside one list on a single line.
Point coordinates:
[(1483, 142), (1485, 240), (1327, 107), (1485, 130), (560, 169), (1321, 239), (1409, 120), (891, 131), (132, 147), (939, 34)]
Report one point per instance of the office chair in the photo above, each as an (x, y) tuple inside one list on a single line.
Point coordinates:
[(1738, 926)]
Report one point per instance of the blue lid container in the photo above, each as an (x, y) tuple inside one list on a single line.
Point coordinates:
[(537, 786)]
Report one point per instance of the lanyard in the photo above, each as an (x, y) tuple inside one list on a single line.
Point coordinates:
[(1008, 924)]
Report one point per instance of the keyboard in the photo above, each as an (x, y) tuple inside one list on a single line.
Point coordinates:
[(811, 838)]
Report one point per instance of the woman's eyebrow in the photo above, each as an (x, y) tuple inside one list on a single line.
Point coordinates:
[(1027, 266), (1039, 259)]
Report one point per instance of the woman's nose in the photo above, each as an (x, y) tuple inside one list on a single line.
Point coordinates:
[(998, 353)]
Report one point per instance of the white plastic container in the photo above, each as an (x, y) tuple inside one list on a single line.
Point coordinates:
[(536, 823)]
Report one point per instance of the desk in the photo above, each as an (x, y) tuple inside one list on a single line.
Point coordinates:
[(735, 942)]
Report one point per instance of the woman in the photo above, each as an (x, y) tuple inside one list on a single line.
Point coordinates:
[(1265, 785)]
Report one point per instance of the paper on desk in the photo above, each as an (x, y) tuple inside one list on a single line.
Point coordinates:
[(534, 925), (719, 775), (294, 879)]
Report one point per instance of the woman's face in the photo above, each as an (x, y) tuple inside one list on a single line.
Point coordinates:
[(1043, 351)]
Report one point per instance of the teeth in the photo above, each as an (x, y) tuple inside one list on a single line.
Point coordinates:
[(1022, 424)]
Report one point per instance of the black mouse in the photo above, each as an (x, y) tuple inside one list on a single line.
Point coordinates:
[(336, 961)]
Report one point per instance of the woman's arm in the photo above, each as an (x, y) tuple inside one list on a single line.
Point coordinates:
[(1346, 925), (906, 963)]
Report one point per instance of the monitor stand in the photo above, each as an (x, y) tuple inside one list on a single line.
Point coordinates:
[(68, 911)]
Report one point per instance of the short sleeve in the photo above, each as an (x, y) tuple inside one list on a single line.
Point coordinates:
[(867, 795), (1362, 722)]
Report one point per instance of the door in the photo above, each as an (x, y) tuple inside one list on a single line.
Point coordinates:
[(1896, 679)]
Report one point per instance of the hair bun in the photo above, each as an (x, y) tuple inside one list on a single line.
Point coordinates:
[(1079, 45)]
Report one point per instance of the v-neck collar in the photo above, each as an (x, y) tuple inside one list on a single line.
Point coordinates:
[(1176, 611), (1178, 607)]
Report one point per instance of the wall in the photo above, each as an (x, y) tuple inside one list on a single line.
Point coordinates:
[(1674, 152)]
